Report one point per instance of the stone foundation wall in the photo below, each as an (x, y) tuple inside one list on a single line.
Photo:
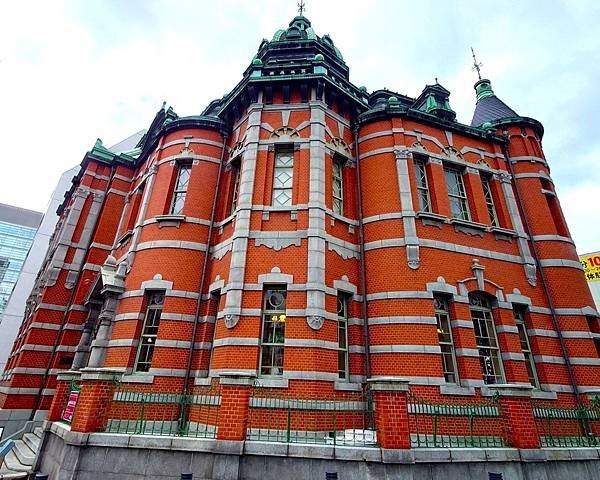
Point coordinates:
[(81, 456)]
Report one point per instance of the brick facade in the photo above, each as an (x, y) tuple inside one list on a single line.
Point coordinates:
[(120, 240)]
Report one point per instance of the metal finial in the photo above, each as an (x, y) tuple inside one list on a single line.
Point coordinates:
[(476, 66), (436, 81), (301, 7)]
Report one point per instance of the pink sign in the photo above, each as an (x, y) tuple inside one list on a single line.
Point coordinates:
[(69, 410)]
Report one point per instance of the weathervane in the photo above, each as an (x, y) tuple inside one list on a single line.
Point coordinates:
[(476, 66), (301, 7)]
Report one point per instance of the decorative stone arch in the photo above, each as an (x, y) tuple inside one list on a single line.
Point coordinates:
[(338, 145), (517, 298), (157, 283), (440, 286), (479, 283), (285, 134), (344, 285), (418, 147), (237, 149), (217, 286), (452, 154), (275, 276)]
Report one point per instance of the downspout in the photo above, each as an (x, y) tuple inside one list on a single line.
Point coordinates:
[(202, 279), (71, 297), (363, 273), (536, 257)]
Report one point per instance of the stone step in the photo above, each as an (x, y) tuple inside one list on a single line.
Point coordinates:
[(12, 463), (32, 441), (38, 432), (8, 474), (24, 454)]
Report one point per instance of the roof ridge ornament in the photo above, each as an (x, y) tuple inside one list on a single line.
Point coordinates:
[(476, 65), (301, 7)]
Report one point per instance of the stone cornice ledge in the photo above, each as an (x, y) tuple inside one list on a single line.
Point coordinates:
[(169, 220), (509, 390)]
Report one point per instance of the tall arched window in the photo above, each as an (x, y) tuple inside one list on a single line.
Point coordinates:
[(487, 341)]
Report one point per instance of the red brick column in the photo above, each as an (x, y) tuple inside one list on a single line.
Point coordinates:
[(63, 386), (235, 399), (516, 408), (97, 388), (391, 411)]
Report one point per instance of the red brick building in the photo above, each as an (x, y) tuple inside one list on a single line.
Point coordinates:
[(315, 235)]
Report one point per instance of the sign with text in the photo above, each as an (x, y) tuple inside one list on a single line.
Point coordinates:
[(591, 267), (69, 410)]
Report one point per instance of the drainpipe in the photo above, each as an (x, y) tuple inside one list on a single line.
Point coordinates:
[(202, 279), (363, 274), (561, 339), (59, 332)]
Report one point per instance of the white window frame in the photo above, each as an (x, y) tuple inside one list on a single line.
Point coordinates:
[(337, 180), (278, 338), (519, 315), (280, 169), (180, 191), (459, 196), (489, 200), (424, 197), (442, 309), (343, 359), (490, 358), (156, 300)]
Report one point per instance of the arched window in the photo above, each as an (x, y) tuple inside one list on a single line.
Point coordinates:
[(487, 341)]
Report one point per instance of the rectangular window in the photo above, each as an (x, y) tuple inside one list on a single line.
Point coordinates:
[(594, 325), (149, 331), (213, 311), (442, 316), (134, 207), (338, 187), (422, 186), (487, 342), (457, 195), (342, 318), (181, 185), (283, 176), (489, 200), (236, 189), (519, 313), (273, 331)]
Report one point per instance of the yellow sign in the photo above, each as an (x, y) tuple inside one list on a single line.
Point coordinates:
[(278, 319), (591, 267)]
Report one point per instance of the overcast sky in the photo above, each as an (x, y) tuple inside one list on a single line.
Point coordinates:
[(73, 71)]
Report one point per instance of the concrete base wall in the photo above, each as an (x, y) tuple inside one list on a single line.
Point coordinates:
[(70, 455)]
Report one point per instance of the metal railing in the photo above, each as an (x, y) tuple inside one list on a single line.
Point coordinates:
[(344, 419), (135, 411), (464, 425), (577, 426)]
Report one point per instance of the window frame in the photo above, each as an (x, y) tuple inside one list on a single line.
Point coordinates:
[(461, 197), (280, 151), (180, 192), (443, 308), (337, 166), (151, 308), (488, 195), (343, 350), (422, 184), (267, 316), (485, 308), (519, 312)]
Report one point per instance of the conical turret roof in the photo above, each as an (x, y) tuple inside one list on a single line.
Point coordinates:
[(489, 107)]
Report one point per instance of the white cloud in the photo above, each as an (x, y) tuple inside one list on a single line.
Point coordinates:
[(74, 71)]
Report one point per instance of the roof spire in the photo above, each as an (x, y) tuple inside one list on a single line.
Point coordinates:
[(476, 66), (301, 7)]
